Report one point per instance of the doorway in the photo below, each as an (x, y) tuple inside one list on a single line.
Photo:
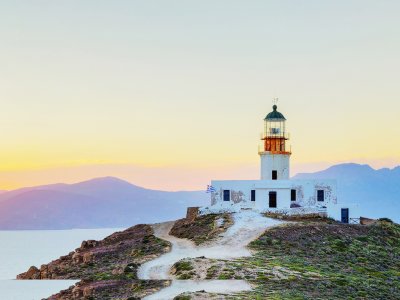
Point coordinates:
[(272, 199), (227, 195), (345, 215)]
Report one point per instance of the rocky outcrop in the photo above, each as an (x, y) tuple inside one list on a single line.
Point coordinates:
[(116, 289), (116, 257), (32, 273), (201, 228)]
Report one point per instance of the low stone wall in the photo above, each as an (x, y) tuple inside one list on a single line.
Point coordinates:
[(366, 221), (192, 213), (298, 211)]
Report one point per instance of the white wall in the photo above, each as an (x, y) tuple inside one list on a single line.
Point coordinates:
[(262, 198), (240, 191), (278, 162), (335, 211)]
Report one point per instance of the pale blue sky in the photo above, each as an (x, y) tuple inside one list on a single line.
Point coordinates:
[(187, 83)]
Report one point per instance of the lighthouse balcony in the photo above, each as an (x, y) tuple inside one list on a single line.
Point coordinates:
[(262, 151)]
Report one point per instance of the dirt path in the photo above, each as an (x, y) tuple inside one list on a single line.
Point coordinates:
[(248, 225), (159, 267)]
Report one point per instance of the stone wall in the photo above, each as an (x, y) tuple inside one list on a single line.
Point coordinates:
[(192, 213)]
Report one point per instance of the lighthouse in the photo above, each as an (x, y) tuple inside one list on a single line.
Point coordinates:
[(274, 154), (275, 191)]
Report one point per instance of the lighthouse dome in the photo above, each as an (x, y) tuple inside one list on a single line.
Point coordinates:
[(274, 115)]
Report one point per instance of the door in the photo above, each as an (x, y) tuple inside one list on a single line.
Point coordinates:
[(253, 195), (345, 215), (272, 199), (320, 195), (227, 195)]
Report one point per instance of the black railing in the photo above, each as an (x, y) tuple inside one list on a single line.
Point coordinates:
[(354, 221), (284, 135)]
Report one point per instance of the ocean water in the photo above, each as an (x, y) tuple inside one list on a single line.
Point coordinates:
[(21, 249)]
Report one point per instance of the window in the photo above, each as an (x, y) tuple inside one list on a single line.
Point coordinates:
[(320, 195), (275, 130), (227, 195), (253, 195), (272, 199), (293, 195), (274, 175)]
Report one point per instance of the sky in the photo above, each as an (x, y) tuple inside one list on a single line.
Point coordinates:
[(171, 94)]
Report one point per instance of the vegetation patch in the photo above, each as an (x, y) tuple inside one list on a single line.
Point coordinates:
[(328, 261), (183, 269), (317, 260), (203, 228)]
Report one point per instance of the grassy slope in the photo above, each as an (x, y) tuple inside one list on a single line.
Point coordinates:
[(318, 260), (352, 261)]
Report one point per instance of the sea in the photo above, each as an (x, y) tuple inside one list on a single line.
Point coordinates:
[(24, 248)]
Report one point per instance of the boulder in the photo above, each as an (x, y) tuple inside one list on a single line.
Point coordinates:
[(88, 257), (32, 273), (89, 244), (77, 258)]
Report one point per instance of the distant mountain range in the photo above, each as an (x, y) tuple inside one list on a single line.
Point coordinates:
[(101, 202), (377, 192), (112, 202)]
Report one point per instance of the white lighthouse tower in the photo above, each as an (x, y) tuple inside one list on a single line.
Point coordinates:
[(274, 154), (275, 191)]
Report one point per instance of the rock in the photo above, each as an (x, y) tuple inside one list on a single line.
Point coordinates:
[(44, 272), (32, 273), (89, 244), (87, 257), (367, 221), (77, 258), (192, 213), (77, 293), (131, 268), (87, 291)]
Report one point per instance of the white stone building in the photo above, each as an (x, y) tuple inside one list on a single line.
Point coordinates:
[(275, 191)]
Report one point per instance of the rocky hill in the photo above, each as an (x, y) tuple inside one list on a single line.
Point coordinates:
[(311, 258)]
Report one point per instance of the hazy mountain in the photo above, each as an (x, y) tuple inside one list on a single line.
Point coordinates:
[(111, 202), (101, 202), (376, 191)]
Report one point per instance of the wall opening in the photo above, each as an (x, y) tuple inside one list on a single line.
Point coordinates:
[(274, 174), (321, 195), (253, 195), (293, 195), (227, 195), (272, 200), (345, 215)]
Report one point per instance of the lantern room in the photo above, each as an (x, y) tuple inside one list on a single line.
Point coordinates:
[(275, 135)]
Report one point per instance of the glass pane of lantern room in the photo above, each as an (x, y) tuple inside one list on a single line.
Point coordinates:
[(275, 128)]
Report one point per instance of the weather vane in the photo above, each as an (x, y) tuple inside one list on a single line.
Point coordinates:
[(275, 100)]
